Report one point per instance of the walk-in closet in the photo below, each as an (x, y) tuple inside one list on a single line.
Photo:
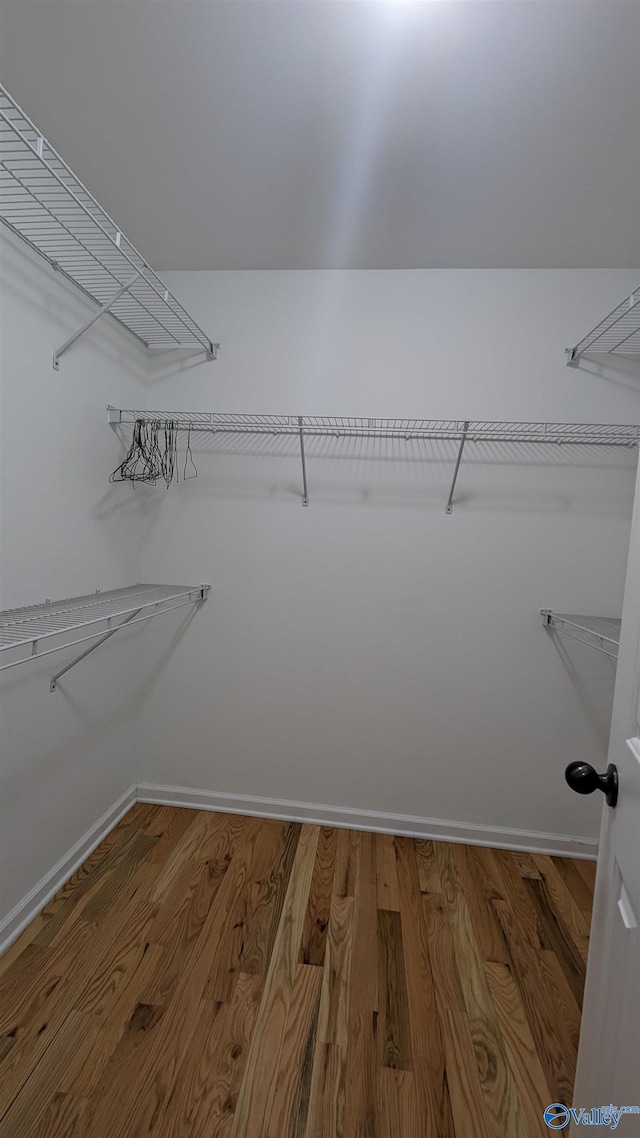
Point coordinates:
[(319, 568)]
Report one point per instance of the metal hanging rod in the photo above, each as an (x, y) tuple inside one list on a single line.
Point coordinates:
[(44, 203), (25, 628), (600, 632), (462, 431), (618, 333)]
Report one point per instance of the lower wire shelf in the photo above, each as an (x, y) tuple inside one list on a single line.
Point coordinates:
[(600, 632), (25, 628)]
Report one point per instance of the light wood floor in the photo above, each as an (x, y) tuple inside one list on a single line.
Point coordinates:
[(213, 976)]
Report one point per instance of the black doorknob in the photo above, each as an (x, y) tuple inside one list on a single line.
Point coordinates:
[(584, 780)]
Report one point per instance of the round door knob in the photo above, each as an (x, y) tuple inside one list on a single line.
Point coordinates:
[(584, 780)]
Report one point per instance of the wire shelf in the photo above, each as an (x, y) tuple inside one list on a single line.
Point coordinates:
[(43, 202), (618, 333), (461, 431), (28, 626), (601, 632), (584, 434)]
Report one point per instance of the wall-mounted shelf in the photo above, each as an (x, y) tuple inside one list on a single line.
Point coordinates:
[(43, 202), (26, 628), (617, 334), (601, 632), (460, 431)]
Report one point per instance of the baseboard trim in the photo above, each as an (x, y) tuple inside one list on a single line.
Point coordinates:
[(25, 911), (409, 825)]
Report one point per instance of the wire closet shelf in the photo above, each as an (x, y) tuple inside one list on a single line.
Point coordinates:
[(600, 632), (44, 203), (25, 628), (459, 431), (617, 334), (584, 434)]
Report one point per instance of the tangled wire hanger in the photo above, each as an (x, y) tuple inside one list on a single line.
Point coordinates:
[(148, 460)]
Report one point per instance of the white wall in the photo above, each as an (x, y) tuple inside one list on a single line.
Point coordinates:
[(369, 651), (65, 757), (366, 652)]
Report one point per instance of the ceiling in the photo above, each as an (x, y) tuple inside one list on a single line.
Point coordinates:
[(280, 134)]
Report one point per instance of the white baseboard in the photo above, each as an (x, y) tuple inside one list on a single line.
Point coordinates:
[(29, 907), (527, 841)]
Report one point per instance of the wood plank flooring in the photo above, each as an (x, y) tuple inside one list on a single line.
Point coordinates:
[(214, 976)]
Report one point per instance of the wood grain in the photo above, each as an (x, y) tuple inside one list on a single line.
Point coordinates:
[(268, 888), (215, 976), (327, 1095), (553, 882), (362, 1055), (35, 1097), (314, 936), (468, 1105), (491, 945), (386, 873), (587, 871), (559, 937), (519, 1045), (65, 1117), (428, 1061), (217, 1070), (258, 1085), (554, 1048), (499, 1088), (428, 874), (148, 1098), (393, 1011), (289, 1112)]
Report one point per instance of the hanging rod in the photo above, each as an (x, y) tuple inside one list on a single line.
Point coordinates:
[(618, 333), (600, 632), (27, 627), (462, 431), (48, 207)]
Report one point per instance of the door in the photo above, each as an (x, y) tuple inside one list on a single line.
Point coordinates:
[(609, 1055)]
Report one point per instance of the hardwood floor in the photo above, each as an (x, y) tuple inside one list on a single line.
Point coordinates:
[(213, 976)]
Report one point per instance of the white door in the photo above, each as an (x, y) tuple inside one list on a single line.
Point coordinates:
[(609, 1056)]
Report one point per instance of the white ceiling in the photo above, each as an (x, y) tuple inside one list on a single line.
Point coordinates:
[(283, 134)]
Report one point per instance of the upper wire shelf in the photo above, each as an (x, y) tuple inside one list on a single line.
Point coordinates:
[(601, 632), (44, 203), (594, 434), (617, 334), (461, 431), (25, 628)]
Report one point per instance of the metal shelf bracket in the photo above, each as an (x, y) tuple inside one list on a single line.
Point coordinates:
[(465, 431), (89, 324), (305, 488), (92, 648)]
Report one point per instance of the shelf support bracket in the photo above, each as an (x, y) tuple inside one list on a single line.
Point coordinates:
[(305, 489), (92, 648), (449, 507), (85, 327)]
